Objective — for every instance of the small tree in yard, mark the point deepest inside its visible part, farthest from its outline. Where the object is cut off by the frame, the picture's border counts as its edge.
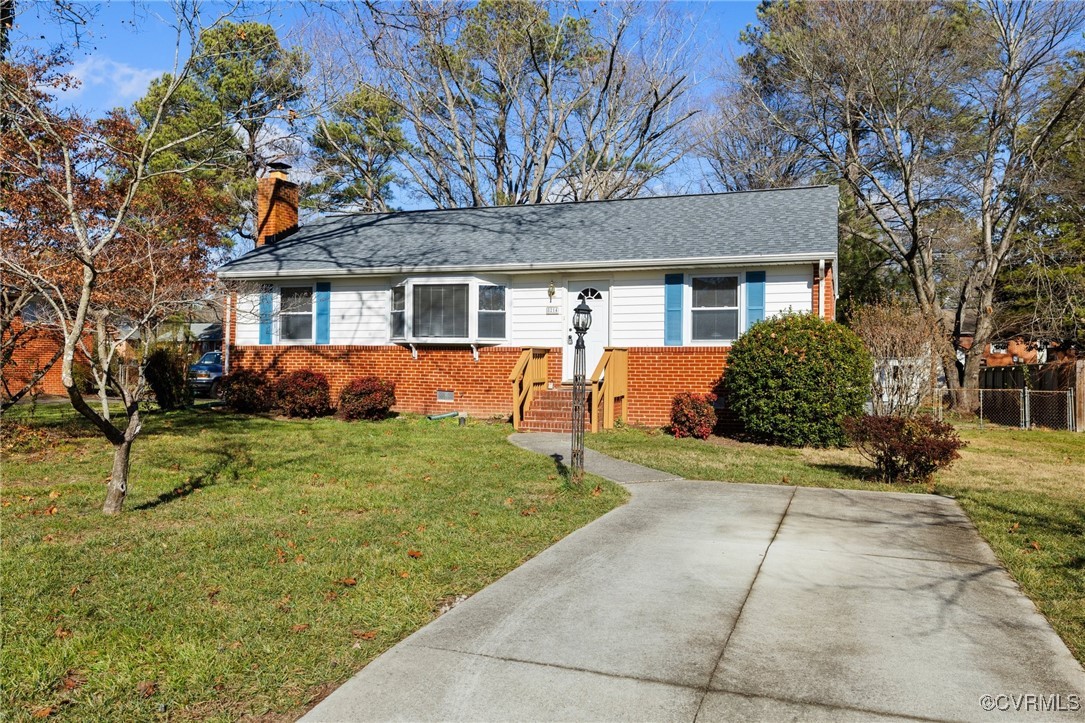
(905, 347)
(128, 239)
(792, 380)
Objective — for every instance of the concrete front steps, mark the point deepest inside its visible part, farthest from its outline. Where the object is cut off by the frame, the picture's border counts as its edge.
(552, 411)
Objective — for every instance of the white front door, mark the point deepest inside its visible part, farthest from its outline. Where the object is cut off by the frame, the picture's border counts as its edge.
(597, 296)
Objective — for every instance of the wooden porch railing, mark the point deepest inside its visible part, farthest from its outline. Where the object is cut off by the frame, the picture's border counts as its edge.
(527, 377)
(609, 383)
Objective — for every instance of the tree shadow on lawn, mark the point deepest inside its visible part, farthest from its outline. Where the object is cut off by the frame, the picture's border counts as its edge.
(229, 457)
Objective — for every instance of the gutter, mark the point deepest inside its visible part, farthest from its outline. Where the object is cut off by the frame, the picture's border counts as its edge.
(628, 265)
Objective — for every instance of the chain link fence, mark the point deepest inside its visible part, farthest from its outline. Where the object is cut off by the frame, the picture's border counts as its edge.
(1028, 408)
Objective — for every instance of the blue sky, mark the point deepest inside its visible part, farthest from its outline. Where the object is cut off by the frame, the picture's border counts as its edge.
(126, 44)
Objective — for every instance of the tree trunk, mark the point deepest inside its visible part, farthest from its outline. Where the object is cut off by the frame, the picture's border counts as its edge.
(118, 480)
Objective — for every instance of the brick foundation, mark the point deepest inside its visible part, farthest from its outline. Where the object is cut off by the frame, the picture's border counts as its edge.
(481, 388)
(656, 374)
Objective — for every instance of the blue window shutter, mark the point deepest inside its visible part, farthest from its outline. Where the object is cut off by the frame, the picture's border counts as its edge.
(672, 305)
(323, 312)
(265, 315)
(755, 297)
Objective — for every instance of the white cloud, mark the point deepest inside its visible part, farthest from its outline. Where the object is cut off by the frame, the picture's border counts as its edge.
(107, 83)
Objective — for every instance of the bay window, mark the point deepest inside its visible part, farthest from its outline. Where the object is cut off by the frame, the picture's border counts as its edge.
(491, 312)
(452, 309)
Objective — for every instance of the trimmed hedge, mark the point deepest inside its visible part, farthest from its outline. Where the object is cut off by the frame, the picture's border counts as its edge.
(367, 398)
(247, 391)
(692, 415)
(303, 394)
(792, 380)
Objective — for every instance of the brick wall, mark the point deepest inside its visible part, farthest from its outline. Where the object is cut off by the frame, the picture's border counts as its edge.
(35, 349)
(822, 293)
(481, 388)
(656, 374)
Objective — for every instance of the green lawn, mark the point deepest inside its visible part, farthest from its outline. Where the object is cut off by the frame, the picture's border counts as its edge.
(1024, 490)
(259, 562)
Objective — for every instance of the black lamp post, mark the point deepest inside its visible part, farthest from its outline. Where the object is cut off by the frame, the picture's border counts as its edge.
(581, 323)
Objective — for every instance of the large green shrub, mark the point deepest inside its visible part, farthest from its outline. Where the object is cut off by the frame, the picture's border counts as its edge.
(792, 380)
(166, 373)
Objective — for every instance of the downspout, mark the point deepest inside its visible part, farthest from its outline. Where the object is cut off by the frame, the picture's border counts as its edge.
(821, 288)
(226, 335)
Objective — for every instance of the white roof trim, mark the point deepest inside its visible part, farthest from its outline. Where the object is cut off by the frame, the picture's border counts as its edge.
(623, 265)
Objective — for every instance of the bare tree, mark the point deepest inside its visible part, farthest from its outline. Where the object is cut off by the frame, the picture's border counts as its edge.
(520, 102)
(745, 149)
(905, 348)
(919, 108)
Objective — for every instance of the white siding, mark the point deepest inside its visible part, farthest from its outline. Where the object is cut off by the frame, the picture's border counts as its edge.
(248, 319)
(360, 307)
(359, 312)
(527, 302)
(636, 310)
(788, 287)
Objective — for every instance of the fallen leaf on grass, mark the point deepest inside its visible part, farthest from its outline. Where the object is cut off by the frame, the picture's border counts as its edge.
(299, 559)
(54, 494)
(364, 634)
(508, 502)
(284, 604)
(48, 538)
(1035, 545)
(147, 688)
(404, 574)
(72, 679)
(299, 628)
(26, 498)
(235, 645)
(331, 595)
(347, 582)
(43, 712)
(62, 632)
(414, 553)
(597, 491)
(212, 593)
(1015, 527)
(529, 511)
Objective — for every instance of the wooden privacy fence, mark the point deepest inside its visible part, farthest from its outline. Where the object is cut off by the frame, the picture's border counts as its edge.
(1034, 395)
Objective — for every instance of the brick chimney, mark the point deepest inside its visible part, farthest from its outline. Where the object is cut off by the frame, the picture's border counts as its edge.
(276, 205)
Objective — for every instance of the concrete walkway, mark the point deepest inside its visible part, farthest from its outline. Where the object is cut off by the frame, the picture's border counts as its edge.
(728, 602)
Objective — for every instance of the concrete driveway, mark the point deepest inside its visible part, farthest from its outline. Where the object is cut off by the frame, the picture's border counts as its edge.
(719, 602)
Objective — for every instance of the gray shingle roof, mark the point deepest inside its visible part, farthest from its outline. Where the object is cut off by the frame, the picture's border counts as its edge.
(795, 223)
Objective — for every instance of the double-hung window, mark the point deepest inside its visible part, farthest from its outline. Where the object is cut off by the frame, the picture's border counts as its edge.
(715, 308)
(296, 313)
(491, 312)
(399, 311)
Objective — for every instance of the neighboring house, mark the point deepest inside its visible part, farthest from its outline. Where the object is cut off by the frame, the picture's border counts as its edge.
(470, 309)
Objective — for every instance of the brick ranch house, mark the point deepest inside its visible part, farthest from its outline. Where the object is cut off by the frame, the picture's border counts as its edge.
(470, 310)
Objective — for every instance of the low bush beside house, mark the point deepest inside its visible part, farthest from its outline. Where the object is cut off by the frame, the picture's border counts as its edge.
(247, 391)
(792, 380)
(166, 374)
(303, 394)
(903, 449)
(367, 398)
(692, 415)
